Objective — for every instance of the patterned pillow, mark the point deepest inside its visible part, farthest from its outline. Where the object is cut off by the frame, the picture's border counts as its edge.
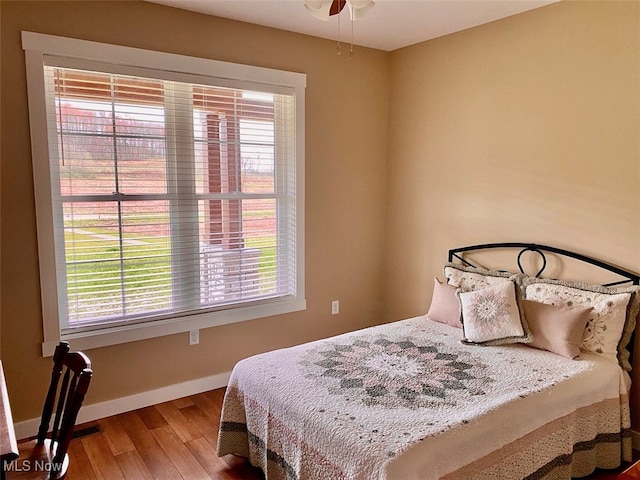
(472, 278)
(491, 316)
(445, 306)
(556, 328)
(613, 318)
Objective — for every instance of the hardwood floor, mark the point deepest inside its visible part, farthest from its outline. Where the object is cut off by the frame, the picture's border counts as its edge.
(173, 440)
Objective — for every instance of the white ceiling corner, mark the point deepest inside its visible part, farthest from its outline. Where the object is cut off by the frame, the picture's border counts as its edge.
(390, 25)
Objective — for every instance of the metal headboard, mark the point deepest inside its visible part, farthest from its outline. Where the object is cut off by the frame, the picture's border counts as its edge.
(628, 276)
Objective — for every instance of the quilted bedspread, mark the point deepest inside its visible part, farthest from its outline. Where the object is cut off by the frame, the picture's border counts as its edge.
(352, 406)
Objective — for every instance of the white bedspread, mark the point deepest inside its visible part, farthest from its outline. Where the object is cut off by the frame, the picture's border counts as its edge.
(409, 400)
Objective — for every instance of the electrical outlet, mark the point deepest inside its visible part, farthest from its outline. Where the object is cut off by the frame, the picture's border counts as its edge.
(194, 337)
(335, 307)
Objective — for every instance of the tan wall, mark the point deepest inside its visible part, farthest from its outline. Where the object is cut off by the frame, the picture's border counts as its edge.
(345, 171)
(525, 129)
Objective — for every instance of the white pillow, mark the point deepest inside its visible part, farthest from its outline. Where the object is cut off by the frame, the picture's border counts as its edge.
(472, 278)
(491, 316)
(611, 322)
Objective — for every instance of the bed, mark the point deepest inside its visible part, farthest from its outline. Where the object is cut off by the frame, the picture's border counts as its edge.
(509, 375)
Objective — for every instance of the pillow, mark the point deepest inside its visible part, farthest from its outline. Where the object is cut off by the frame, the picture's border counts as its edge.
(490, 316)
(445, 306)
(472, 278)
(613, 318)
(556, 328)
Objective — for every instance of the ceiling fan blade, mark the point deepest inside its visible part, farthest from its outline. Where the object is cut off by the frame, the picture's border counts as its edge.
(337, 6)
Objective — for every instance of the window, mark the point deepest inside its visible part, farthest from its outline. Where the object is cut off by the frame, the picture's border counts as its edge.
(169, 190)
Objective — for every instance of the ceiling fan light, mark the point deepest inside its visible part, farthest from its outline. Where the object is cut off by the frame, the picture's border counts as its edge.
(319, 8)
(358, 8)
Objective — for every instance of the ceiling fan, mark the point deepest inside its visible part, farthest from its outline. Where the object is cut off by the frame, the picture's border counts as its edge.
(323, 9)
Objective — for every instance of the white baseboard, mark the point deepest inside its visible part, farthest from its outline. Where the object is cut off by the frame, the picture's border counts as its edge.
(91, 412)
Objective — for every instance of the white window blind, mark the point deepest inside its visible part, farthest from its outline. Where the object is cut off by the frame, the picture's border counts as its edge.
(171, 194)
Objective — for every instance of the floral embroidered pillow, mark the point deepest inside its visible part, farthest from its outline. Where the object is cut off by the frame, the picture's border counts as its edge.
(612, 320)
(472, 278)
(490, 316)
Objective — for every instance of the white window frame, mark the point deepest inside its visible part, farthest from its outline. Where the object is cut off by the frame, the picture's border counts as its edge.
(37, 46)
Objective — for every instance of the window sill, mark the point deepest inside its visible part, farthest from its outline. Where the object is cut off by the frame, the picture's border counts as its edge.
(142, 331)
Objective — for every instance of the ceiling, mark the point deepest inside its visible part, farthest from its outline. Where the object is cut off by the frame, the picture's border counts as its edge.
(390, 25)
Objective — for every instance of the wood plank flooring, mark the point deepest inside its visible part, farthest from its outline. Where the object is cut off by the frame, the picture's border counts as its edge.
(169, 441)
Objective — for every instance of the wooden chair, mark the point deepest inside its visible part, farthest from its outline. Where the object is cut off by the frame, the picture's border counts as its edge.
(46, 457)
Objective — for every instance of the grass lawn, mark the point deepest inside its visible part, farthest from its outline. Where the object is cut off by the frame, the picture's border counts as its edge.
(105, 277)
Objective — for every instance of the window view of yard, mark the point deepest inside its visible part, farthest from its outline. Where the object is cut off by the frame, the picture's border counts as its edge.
(105, 259)
(157, 220)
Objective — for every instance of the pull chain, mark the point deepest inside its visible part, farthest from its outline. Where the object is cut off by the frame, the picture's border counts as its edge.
(339, 52)
(351, 47)
(339, 46)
